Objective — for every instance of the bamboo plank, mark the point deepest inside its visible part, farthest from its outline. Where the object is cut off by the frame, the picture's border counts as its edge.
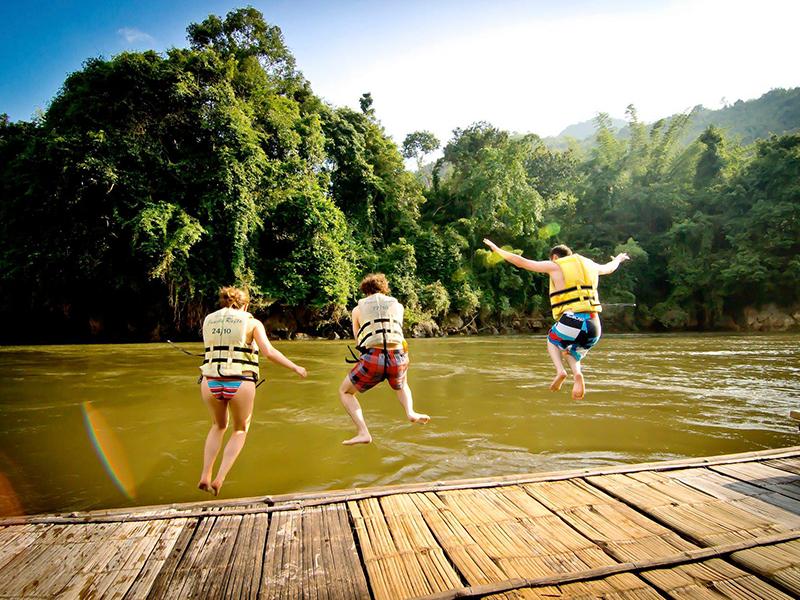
(152, 564)
(243, 577)
(169, 567)
(779, 563)
(392, 567)
(624, 533)
(417, 545)
(789, 464)
(466, 553)
(377, 579)
(782, 511)
(312, 572)
(435, 541)
(712, 578)
(280, 573)
(312, 554)
(16, 539)
(703, 518)
(116, 562)
(688, 558)
(616, 587)
(764, 476)
(97, 552)
(206, 564)
(182, 578)
(520, 535)
(31, 573)
(340, 552)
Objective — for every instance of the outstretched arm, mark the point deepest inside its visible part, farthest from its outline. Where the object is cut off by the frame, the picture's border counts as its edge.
(538, 266)
(272, 353)
(613, 264)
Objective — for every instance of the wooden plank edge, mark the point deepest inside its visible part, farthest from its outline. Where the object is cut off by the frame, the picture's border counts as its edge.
(311, 499)
(689, 556)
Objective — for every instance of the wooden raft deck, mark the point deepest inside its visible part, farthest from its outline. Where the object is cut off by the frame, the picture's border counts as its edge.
(719, 527)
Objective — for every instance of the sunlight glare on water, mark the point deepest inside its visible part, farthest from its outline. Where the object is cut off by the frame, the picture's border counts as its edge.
(89, 427)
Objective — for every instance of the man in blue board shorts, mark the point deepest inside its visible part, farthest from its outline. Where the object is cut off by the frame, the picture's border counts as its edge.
(575, 305)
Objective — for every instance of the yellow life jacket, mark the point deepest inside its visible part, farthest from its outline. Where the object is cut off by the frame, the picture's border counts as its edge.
(381, 322)
(580, 287)
(227, 353)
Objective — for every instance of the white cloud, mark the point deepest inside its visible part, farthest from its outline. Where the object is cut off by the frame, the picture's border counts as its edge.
(133, 36)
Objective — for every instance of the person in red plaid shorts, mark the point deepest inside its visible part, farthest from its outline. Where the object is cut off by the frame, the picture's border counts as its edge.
(378, 331)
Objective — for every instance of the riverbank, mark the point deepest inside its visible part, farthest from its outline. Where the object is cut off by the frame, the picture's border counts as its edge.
(765, 319)
(287, 323)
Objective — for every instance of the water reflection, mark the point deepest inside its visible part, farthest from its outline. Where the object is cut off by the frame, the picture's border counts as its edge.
(650, 397)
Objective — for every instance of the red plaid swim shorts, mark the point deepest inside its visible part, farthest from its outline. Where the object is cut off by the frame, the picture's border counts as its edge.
(370, 371)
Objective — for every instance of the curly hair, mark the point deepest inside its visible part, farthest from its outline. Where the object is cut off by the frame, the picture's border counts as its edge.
(374, 283)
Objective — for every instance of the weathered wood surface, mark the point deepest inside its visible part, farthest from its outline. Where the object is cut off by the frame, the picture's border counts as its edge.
(718, 527)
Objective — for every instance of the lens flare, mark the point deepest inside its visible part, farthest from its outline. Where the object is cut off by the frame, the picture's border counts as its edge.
(549, 230)
(10, 505)
(492, 258)
(109, 450)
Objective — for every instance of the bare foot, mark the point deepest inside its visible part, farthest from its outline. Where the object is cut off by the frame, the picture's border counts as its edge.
(418, 418)
(557, 381)
(578, 388)
(216, 485)
(361, 438)
(204, 486)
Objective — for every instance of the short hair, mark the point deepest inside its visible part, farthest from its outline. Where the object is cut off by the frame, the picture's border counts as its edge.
(233, 297)
(374, 283)
(560, 251)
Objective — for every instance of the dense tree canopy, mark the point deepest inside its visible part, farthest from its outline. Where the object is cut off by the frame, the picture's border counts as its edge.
(152, 179)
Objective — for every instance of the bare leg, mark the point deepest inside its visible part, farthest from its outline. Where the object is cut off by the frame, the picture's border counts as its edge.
(579, 387)
(241, 407)
(347, 395)
(561, 374)
(407, 401)
(219, 422)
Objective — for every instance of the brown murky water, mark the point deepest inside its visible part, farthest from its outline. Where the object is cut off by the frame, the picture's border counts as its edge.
(87, 427)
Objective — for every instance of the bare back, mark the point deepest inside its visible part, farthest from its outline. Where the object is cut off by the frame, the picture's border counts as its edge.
(557, 279)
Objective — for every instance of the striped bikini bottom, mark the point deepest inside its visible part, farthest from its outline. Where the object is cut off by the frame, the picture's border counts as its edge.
(223, 389)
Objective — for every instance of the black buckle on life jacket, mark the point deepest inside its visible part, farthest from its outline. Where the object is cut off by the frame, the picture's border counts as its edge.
(355, 358)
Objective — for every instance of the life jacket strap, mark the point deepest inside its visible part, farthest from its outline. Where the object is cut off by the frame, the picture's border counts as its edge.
(382, 320)
(234, 348)
(238, 361)
(592, 299)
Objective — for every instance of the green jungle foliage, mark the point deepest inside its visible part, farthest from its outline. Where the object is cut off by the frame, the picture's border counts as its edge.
(775, 113)
(153, 179)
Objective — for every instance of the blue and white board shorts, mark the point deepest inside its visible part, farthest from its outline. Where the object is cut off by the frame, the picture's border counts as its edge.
(575, 332)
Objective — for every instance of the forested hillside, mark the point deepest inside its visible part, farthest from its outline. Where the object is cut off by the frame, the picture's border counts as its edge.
(775, 113)
(152, 179)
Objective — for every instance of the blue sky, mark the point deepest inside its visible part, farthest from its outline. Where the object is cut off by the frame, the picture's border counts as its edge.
(522, 65)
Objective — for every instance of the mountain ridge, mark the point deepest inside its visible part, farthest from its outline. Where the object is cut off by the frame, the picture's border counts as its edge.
(774, 112)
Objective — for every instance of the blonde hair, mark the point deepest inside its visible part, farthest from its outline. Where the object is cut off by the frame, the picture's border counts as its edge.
(233, 297)
(374, 283)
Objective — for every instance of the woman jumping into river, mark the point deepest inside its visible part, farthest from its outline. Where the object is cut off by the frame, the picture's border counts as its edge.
(232, 338)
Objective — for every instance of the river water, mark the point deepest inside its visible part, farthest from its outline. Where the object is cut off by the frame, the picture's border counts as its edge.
(98, 426)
